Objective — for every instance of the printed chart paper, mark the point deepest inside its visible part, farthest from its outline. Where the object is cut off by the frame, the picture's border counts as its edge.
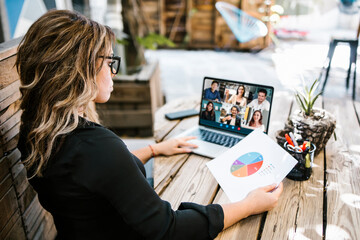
(254, 162)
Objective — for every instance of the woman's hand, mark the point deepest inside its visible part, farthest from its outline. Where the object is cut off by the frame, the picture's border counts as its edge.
(174, 146)
(257, 201)
(264, 198)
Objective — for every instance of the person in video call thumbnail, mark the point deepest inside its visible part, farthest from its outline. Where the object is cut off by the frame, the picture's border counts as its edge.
(212, 93)
(233, 118)
(208, 113)
(238, 98)
(260, 103)
(256, 120)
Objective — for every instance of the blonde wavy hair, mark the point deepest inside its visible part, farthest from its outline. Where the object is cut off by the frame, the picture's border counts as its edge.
(56, 61)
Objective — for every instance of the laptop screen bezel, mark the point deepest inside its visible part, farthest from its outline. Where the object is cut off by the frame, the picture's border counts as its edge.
(240, 133)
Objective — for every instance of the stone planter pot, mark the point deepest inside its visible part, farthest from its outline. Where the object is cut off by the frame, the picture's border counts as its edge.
(316, 128)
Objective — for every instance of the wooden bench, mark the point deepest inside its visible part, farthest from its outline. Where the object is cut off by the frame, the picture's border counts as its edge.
(21, 215)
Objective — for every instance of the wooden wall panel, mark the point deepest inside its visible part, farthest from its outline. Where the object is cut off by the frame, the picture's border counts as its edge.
(8, 72)
(204, 26)
(131, 108)
(8, 207)
(21, 215)
(14, 228)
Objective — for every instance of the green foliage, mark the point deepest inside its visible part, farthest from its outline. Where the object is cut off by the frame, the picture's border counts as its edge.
(193, 11)
(307, 98)
(122, 41)
(153, 40)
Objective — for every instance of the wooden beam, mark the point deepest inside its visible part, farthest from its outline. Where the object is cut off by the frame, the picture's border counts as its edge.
(9, 48)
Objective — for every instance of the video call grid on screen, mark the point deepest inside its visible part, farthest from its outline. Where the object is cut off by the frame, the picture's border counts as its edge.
(222, 107)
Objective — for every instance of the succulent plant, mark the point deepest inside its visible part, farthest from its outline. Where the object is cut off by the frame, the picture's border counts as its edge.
(308, 122)
(307, 98)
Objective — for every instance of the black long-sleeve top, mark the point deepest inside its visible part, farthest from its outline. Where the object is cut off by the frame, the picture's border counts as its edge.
(96, 189)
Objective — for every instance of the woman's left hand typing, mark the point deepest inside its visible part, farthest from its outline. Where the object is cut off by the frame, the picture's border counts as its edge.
(174, 146)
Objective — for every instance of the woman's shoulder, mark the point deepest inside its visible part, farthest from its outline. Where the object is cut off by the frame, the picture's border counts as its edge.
(99, 130)
(86, 126)
(95, 142)
(92, 134)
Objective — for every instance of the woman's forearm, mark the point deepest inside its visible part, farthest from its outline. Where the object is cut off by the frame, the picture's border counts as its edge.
(144, 154)
(166, 148)
(234, 212)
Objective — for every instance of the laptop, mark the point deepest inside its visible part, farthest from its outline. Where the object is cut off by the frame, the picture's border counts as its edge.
(225, 119)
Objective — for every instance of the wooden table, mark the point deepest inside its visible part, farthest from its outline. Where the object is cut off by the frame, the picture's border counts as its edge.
(325, 206)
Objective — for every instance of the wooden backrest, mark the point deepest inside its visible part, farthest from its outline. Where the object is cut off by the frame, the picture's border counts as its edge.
(21, 215)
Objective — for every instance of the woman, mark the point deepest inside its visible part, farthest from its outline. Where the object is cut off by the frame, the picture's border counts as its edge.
(238, 98)
(84, 174)
(209, 113)
(256, 120)
(233, 118)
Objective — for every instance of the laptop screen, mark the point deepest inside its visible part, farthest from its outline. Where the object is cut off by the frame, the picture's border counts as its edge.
(234, 106)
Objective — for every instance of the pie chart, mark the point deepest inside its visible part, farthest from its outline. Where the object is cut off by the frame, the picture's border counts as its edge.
(247, 164)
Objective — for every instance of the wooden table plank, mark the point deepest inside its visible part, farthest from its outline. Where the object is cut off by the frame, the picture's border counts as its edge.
(194, 183)
(276, 227)
(281, 107)
(165, 169)
(311, 202)
(343, 173)
(309, 221)
(162, 126)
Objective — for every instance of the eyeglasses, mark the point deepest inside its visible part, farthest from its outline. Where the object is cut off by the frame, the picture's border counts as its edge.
(115, 63)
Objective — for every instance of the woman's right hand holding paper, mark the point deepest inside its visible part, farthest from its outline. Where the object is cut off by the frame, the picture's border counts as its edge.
(257, 201)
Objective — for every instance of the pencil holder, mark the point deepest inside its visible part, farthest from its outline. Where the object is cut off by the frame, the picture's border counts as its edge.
(302, 170)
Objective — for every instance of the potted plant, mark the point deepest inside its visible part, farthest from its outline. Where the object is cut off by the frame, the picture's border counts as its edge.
(308, 122)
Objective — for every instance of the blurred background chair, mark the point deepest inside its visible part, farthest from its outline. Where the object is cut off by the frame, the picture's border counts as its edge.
(242, 25)
(348, 6)
(353, 43)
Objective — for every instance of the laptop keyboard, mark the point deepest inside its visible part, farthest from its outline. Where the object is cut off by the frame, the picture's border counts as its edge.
(217, 138)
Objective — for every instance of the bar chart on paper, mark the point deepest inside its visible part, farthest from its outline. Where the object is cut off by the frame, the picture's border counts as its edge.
(247, 164)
